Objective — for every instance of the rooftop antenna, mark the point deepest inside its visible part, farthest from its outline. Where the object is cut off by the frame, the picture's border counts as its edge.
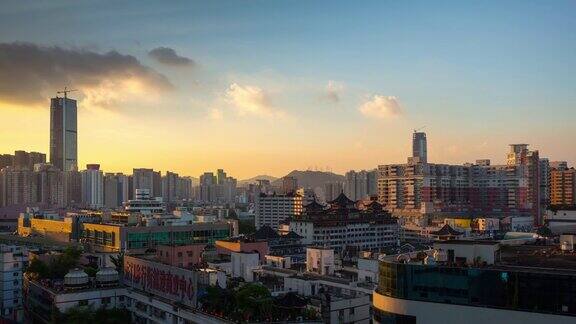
(419, 129)
(65, 91)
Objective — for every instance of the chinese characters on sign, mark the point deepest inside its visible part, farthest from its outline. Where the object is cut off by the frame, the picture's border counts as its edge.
(170, 282)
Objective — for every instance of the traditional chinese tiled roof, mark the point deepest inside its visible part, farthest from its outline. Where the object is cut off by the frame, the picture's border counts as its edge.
(314, 206)
(341, 201)
(266, 233)
(292, 235)
(373, 206)
(446, 230)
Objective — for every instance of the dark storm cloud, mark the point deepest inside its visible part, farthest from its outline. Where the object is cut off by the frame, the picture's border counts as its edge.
(168, 56)
(28, 72)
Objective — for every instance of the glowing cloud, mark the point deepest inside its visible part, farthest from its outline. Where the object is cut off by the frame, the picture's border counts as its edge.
(381, 107)
(168, 56)
(251, 100)
(30, 73)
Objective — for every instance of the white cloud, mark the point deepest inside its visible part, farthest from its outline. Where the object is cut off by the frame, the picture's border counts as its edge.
(333, 91)
(381, 107)
(251, 100)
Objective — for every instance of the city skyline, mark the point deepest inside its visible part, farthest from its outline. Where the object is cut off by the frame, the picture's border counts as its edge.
(220, 91)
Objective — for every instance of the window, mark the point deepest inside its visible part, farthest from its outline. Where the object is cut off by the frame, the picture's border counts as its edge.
(106, 300)
(83, 303)
(15, 274)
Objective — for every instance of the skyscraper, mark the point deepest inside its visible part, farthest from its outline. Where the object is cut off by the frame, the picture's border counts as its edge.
(63, 134)
(419, 146)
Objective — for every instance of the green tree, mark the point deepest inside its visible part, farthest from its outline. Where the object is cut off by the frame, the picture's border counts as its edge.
(38, 269)
(118, 262)
(254, 303)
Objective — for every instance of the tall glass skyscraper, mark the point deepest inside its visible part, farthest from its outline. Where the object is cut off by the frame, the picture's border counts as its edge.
(419, 148)
(63, 134)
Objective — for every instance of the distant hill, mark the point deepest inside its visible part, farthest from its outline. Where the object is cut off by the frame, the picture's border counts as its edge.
(245, 182)
(312, 179)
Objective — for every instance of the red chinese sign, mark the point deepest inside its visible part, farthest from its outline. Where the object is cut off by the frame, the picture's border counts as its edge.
(166, 281)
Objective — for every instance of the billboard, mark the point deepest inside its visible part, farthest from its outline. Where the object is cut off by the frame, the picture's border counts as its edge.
(173, 283)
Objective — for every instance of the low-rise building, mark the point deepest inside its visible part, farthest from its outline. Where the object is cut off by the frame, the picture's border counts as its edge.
(242, 244)
(13, 261)
(477, 282)
(183, 256)
(118, 237)
(47, 299)
(346, 226)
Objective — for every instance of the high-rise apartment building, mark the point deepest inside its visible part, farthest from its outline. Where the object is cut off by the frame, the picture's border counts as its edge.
(558, 165)
(115, 189)
(207, 188)
(529, 161)
(563, 187)
(72, 188)
(170, 186)
(481, 188)
(218, 188)
(289, 184)
(419, 147)
(49, 185)
(271, 210)
(63, 134)
(6, 160)
(360, 185)
(332, 190)
(16, 186)
(184, 188)
(25, 160)
(22, 159)
(544, 183)
(93, 186)
(147, 179)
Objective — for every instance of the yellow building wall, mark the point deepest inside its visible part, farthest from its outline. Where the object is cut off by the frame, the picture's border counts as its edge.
(116, 230)
(52, 229)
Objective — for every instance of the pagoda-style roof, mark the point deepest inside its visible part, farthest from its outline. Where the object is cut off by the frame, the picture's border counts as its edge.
(266, 233)
(373, 206)
(341, 200)
(446, 230)
(342, 203)
(292, 235)
(314, 206)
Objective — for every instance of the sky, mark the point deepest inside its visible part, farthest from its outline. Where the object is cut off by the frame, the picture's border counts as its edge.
(266, 87)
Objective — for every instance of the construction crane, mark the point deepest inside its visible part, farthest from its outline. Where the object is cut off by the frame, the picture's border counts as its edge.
(65, 91)
(419, 129)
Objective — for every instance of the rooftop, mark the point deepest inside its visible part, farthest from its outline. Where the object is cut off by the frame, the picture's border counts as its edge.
(469, 242)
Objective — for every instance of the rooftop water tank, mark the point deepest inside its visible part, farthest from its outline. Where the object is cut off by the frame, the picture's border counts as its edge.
(76, 278)
(107, 276)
